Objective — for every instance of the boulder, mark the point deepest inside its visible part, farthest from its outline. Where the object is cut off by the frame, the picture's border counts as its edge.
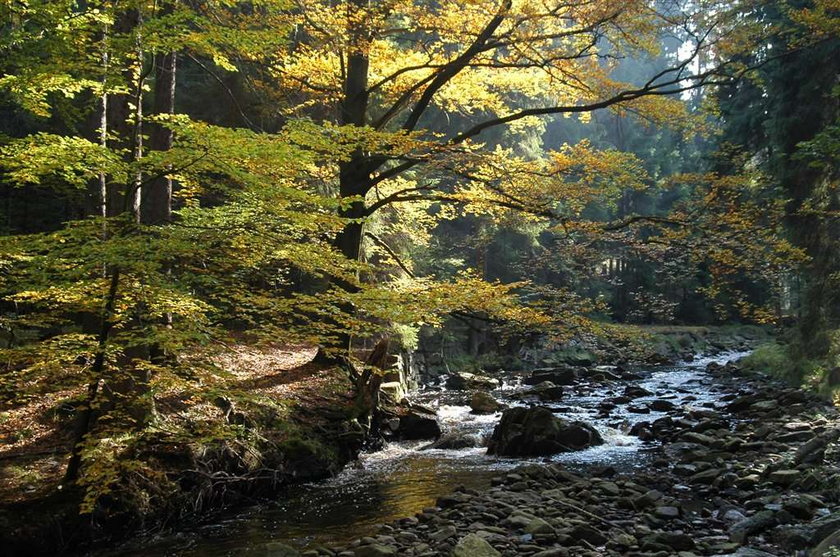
(556, 375)
(484, 403)
(418, 425)
(473, 545)
(462, 381)
(455, 441)
(537, 432)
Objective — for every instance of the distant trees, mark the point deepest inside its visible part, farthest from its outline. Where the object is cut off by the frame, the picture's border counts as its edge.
(786, 120)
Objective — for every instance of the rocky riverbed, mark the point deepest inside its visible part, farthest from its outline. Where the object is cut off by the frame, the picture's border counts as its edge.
(752, 471)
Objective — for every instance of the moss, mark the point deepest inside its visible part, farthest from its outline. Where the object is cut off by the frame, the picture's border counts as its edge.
(299, 449)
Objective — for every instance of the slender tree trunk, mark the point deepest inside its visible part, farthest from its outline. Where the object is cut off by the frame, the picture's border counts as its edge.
(156, 207)
(127, 387)
(87, 415)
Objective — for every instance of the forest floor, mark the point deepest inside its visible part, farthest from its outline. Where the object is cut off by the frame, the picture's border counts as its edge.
(277, 409)
(35, 436)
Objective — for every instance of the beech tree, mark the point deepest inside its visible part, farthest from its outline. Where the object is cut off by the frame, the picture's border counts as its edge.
(389, 66)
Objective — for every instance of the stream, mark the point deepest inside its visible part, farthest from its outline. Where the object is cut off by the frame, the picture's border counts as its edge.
(402, 479)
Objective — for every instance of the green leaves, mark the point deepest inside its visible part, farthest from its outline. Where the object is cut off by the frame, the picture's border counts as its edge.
(58, 160)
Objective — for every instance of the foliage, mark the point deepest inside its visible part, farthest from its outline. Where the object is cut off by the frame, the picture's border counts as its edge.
(382, 152)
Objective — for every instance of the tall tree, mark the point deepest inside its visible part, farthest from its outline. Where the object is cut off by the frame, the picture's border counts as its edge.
(783, 119)
(391, 67)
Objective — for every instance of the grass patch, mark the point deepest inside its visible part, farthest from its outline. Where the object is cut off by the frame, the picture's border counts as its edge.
(772, 359)
(785, 362)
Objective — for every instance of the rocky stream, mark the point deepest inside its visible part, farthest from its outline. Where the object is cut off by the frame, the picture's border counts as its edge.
(689, 459)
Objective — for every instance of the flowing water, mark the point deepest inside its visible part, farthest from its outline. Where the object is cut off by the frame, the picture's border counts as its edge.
(402, 479)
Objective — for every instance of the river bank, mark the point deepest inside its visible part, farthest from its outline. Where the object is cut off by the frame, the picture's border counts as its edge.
(752, 473)
(283, 421)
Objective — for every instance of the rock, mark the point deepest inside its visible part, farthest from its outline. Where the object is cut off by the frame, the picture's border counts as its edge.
(484, 403)
(749, 552)
(747, 482)
(800, 507)
(661, 405)
(764, 406)
(698, 438)
(673, 540)
(394, 389)
(706, 477)
(741, 404)
(444, 534)
(634, 391)
(733, 516)
(588, 534)
(473, 545)
(813, 452)
(558, 376)
(759, 522)
(539, 526)
(648, 499)
(824, 548)
(374, 550)
(518, 521)
(785, 477)
(610, 488)
(668, 513)
(795, 437)
(537, 432)
(547, 391)
(277, 549)
(462, 381)
(455, 441)
(825, 526)
(554, 552)
(418, 425)
(624, 540)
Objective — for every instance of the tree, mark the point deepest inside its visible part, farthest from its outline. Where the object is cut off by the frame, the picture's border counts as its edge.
(391, 67)
(784, 119)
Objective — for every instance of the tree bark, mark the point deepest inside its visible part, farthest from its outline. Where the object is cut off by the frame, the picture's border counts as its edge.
(156, 205)
(87, 414)
(354, 174)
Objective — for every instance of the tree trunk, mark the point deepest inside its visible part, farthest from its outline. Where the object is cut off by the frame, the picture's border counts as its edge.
(87, 415)
(354, 175)
(156, 206)
(127, 388)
